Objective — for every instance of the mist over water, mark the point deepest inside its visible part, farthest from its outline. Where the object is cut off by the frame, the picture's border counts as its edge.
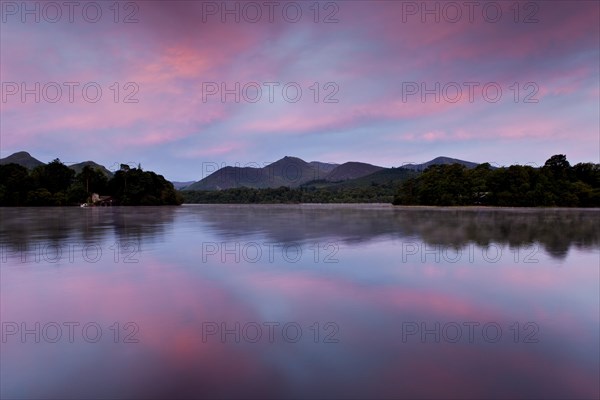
(299, 301)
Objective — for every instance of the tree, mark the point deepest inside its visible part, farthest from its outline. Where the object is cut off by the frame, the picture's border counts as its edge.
(588, 173)
(54, 176)
(137, 187)
(14, 184)
(92, 179)
(558, 166)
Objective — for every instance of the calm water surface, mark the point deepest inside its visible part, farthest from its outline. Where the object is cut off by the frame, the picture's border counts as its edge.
(299, 302)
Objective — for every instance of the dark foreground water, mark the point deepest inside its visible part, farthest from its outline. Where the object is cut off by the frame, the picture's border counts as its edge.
(299, 302)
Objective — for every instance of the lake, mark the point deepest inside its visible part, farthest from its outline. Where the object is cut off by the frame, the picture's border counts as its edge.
(299, 301)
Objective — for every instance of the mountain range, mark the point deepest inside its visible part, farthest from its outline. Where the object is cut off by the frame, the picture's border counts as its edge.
(295, 172)
(289, 171)
(26, 160)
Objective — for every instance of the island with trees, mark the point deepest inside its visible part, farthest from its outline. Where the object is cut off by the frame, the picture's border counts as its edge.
(55, 184)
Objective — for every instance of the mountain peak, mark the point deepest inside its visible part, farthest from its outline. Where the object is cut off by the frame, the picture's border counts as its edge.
(22, 158)
(288, 160)
(441, 160)
(78, 167)
(292, 158)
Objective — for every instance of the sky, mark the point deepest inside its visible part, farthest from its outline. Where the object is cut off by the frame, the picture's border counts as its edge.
(184, 87)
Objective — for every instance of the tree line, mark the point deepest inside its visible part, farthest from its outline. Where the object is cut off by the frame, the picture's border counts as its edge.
(375, 193)
(55, 184)
(556, 184)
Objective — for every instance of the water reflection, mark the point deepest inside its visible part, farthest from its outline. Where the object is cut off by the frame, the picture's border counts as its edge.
(372, 325)
(35, 230)
(555, 229)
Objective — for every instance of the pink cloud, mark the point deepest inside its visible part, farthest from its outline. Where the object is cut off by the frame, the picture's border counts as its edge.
(369, 53)
(224, 148)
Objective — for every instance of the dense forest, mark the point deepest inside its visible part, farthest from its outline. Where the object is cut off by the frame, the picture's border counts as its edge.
(55, 184)
(375, 193)
(557, 183)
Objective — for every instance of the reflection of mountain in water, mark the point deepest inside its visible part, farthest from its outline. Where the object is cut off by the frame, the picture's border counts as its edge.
(555, 229)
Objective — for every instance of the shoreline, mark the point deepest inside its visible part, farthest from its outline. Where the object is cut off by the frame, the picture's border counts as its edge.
(383, 206)
(378, 206)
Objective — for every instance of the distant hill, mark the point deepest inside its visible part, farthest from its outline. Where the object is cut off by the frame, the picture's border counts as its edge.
(79, 167)
(351, 170)
(22, 158)
(382, 177)
(229, 178)
(439, 161)
(289, 171)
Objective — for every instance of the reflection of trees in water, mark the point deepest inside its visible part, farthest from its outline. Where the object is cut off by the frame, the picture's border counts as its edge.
(22, 227)
(554, 229)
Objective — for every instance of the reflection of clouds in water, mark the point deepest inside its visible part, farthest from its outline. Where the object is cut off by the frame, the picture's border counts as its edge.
(171, 359)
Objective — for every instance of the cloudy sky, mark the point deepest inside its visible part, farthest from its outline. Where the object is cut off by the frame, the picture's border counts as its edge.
(182, 86)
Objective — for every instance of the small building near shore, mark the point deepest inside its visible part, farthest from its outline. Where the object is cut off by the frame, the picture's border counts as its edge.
(98, 200)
